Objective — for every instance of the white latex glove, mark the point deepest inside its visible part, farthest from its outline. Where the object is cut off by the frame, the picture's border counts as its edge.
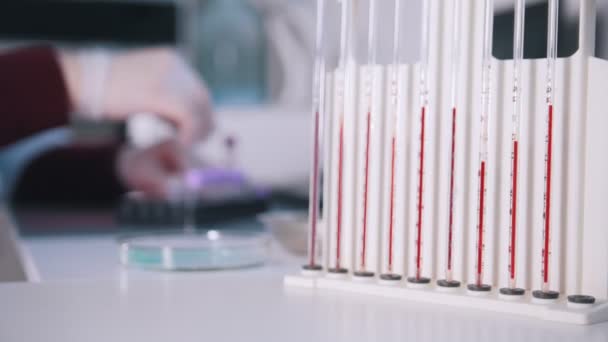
(106, 86)
(151, 170)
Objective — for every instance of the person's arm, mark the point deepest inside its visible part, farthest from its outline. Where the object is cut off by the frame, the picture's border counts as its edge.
(99, 85)
(76, 174)
(87, 174)
(33, 93)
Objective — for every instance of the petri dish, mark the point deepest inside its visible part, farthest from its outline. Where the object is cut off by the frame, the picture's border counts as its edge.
(197, 250)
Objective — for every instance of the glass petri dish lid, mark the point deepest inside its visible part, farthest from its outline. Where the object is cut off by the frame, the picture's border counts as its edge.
(197, 250)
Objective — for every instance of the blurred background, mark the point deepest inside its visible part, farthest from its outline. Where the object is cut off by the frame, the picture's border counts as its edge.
(256, 57)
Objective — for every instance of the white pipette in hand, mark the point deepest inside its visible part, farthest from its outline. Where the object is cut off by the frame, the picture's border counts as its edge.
(145, 130)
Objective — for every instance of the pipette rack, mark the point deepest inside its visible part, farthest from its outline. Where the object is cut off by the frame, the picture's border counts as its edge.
(579, 258)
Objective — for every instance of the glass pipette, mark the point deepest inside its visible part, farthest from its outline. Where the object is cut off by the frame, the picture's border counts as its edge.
(423, 102)
(318, 92)
(368, 93)
(545, 292)
(341, 98)
(486, 86)
(390, 275)
(449, 273)
(518, 56)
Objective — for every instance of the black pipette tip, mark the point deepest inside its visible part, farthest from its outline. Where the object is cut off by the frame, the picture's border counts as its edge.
(512, 291)
(479, 287)
(545, 294)
(337, 270)
(418, 280)
(309, 267)
(364, 274)
(448, 283)
(581, 299)
(390, 277)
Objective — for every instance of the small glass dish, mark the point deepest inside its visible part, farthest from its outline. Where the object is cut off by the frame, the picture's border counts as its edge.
(197, 250)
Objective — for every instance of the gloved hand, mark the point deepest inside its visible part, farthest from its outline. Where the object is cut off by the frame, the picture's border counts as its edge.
(106, 86)
(151, 170)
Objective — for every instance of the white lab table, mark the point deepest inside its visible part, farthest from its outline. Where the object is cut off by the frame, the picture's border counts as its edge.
(96, 257)
(84, 295)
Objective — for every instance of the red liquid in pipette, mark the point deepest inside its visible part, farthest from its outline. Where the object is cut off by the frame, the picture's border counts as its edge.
(514, 209)
(365, 192)
(392, 207)
(340, 170)
(420, 195)
(547, 215)
(315, 192)
(482, 190)
(451, 203)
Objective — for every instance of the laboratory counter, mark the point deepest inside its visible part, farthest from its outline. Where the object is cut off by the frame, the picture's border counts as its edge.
(84, 294)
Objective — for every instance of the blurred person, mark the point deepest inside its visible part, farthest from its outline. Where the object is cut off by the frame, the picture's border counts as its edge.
(43, 88)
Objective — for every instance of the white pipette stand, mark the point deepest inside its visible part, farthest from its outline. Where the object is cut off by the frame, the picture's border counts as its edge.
(579, 215)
